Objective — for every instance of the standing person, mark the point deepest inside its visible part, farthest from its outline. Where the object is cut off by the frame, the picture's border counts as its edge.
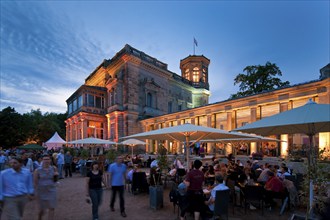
(3, 160)
(194, 182)
(16, 189)
(117, 172)
(60, 163)
(68, 159)
(94, 189)
(27, 162)
(45, 178)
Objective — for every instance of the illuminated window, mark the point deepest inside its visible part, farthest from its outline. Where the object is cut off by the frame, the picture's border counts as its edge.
(204, 75)
(195, 74)
(187, 74)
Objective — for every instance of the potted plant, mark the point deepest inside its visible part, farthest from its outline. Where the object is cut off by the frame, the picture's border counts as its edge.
(156, 191)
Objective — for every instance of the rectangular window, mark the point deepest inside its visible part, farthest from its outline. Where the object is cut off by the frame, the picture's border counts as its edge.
(74, 105)
(90, 100)
(98, 103)
(80, 101)
(169, 107)
(70, 108)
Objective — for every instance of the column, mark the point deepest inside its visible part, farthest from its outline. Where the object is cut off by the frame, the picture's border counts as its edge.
(209, 121)
(229, 121)
(324, 140)
(253, 115)
(253, 147)
(284, 145)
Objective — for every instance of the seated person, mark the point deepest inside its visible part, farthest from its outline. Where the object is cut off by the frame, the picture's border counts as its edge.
(246, 177)
(263, 177)
(273, 187)
(130, 173)
(172, 172)
(284, 172)
(219, 186)
(177, 163)
(154, 164)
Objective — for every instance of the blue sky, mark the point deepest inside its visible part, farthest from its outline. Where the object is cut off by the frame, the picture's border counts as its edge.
(48, 48)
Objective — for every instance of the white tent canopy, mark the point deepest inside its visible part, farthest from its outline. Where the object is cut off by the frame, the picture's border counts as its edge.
(55, 142)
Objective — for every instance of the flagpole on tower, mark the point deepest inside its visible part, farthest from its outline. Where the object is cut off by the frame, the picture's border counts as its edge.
(195, 44)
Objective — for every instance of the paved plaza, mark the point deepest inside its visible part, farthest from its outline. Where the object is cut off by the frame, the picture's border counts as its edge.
(72, 206)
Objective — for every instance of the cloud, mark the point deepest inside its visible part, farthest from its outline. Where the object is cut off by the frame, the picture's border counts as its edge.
(44, 56)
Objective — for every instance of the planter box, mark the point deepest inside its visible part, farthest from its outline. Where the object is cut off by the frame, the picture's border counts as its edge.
(156, 195)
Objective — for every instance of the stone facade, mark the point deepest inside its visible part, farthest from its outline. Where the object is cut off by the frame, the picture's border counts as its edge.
(234, 113)
(134, 92)
(130, 87)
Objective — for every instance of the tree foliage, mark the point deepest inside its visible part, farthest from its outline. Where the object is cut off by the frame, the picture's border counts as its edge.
(17, 129)
(258, 79)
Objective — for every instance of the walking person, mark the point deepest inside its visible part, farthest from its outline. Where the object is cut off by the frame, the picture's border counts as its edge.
(60, 163)
(16, 189)
(94, 189)
(68, 159)
(45, 178)
(117, 172)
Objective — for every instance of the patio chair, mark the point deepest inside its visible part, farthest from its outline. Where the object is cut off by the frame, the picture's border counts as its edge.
(253, 194)
(221, 203)
(139, 183)
(231, 185)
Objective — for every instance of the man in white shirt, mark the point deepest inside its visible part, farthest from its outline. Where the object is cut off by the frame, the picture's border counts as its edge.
(220, 186)
(60, 163)
(27, 162)
(16, 189)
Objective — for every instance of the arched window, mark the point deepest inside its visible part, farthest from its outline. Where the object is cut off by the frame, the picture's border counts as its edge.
(149, 99)
(195, 74)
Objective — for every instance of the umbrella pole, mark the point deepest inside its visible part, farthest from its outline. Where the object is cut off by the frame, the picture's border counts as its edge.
(311, 169)
(187, 152)
(132, 152)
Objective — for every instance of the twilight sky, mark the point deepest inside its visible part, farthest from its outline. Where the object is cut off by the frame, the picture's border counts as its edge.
(49, 48)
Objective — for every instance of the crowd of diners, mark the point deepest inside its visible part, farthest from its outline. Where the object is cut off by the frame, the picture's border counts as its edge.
(233, 175)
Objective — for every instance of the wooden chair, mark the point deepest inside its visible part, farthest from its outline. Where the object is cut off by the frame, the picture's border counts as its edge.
(221, 203)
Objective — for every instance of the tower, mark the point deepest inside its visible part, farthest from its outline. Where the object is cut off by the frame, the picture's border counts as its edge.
(195, 69)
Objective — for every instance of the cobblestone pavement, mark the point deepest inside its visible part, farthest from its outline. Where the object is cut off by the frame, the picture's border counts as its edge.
(72, 206)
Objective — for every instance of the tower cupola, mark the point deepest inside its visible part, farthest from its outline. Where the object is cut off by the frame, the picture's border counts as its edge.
(195, 69)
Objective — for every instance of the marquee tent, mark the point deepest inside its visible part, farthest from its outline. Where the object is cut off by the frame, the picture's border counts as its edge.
(55, 142)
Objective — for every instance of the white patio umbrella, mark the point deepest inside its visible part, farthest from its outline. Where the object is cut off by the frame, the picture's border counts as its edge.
(132, 142)
(92, 140)
(309, 119)
(186, 133)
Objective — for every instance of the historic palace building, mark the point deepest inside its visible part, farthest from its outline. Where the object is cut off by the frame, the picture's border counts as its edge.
(134, 92)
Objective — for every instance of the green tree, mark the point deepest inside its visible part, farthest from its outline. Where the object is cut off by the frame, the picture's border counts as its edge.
(11, 128)
(258, 79)
(17, 129)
